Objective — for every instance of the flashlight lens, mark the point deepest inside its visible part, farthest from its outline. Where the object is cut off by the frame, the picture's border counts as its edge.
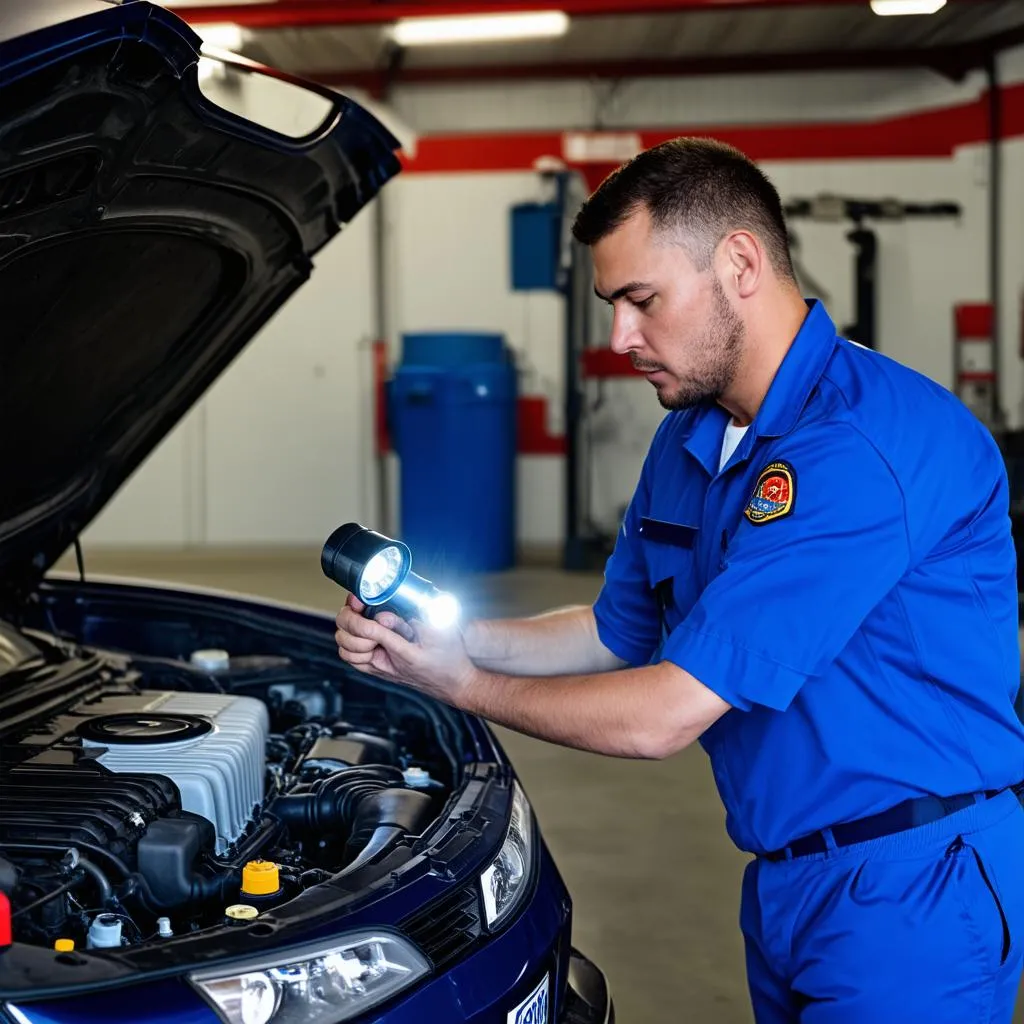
(381, 573)
(442, 611)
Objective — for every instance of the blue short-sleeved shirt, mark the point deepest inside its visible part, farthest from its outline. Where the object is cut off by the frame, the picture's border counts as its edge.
(847, 583)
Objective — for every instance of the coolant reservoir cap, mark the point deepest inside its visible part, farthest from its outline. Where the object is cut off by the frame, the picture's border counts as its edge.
(260, 878)
(211, 660)
(64, 945)
(241, 912)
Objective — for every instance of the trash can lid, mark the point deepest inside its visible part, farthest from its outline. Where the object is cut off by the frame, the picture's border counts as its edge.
(453, 348)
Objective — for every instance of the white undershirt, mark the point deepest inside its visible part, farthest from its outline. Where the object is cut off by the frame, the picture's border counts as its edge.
(732, 438)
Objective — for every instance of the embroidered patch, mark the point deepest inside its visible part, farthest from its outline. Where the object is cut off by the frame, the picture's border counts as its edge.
(773, 495)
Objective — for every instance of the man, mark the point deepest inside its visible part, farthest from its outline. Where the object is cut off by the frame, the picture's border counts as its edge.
(816, 579)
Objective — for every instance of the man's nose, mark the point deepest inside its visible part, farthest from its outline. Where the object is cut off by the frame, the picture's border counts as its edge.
(624, 337)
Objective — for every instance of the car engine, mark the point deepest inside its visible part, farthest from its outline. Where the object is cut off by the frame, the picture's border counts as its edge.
(165, 796)
(211, 747)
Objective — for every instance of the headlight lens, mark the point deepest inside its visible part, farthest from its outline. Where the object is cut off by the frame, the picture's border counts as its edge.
(315, 986)
(504, 882)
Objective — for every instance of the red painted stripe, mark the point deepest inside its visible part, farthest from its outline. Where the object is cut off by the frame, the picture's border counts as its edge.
(308, 13)
(930, 133)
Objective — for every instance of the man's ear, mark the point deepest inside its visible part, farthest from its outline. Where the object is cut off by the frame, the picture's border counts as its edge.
(742, 262)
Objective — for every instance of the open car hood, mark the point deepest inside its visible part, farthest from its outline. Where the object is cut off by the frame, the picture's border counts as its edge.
(146, 235)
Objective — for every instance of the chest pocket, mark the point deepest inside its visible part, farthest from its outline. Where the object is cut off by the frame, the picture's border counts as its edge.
(670, 551)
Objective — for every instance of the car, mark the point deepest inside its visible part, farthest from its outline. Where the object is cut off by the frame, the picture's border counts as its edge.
(204, 814)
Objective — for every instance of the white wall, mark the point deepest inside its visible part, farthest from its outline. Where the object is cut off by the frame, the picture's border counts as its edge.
(279, 451)
(670, 102)
(161, 502)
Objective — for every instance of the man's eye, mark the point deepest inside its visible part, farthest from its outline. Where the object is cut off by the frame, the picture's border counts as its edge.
(643, 303)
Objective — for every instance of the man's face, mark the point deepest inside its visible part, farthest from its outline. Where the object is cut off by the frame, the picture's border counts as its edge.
(673, 320)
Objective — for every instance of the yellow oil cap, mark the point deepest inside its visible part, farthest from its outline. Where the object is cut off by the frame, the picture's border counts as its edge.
(260, 878)
(64, 945)
(241, 912)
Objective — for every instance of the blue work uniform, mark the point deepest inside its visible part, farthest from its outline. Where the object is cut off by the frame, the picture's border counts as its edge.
(847, 583)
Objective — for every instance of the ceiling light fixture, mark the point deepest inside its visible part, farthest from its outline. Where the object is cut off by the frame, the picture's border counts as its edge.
(479, 29)
(894, 7)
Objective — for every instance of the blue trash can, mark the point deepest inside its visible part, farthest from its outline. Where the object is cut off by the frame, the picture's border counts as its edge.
(452, 409)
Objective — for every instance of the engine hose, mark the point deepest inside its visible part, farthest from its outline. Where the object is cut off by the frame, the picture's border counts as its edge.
(64, 848)
(201, 890)
(381, 839)
(104, 889)
(337, 799)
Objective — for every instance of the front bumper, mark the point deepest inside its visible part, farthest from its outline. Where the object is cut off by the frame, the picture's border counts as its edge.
(587, 997)
(483, 988)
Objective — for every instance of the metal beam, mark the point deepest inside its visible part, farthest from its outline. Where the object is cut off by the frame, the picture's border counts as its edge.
(322, 13)
(950, 61)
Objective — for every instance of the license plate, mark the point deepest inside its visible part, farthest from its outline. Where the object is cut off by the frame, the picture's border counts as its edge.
(534, 1008)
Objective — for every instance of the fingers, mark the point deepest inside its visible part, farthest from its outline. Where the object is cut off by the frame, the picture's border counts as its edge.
(397, 625)
(360, 661)
(358, 637)
(353, 643)
(393, 642)
(349, 612)
(355, 647)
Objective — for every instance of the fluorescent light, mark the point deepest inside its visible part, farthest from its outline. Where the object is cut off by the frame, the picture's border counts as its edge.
(220, 36)
(479, 29)
(887, 7)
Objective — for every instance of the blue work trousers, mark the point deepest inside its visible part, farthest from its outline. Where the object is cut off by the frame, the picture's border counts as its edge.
(925, 926)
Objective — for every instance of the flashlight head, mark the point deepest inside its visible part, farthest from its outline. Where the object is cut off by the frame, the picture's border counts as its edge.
(366, 563)
(378, 570)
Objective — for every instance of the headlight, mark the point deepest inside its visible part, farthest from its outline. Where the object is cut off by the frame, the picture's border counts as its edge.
(317, 985)
(504, 883)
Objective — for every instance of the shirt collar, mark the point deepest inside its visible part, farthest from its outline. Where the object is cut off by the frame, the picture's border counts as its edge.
(799, 372)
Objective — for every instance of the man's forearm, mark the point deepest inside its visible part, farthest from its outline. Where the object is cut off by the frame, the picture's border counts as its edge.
(648, 712)
(563, 642)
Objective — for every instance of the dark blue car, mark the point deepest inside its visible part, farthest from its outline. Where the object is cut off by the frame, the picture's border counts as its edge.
(204, 816)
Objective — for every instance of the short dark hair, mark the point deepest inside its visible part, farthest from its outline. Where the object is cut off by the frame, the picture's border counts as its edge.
(702, 186)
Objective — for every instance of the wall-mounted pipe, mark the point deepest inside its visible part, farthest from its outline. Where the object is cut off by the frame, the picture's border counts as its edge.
(995, 234)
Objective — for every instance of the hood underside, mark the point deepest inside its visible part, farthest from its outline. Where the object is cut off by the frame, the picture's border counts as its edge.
(146, 235)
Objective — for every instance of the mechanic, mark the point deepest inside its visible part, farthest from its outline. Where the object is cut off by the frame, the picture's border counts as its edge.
(815, 579)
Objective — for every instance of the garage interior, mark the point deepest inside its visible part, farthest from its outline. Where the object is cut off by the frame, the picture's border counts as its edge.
(897, 144)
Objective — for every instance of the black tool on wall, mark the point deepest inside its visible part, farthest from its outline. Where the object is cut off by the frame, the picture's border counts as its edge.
(841, 209)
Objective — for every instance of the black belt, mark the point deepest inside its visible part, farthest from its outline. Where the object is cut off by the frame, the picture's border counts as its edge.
(909, 814)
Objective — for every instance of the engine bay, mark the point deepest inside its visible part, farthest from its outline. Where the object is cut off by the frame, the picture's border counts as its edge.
(145, 797)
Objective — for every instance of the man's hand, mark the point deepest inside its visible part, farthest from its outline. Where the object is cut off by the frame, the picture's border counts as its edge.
(433, 661)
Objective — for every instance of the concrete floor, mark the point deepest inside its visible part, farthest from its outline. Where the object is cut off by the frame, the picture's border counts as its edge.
(642, 846)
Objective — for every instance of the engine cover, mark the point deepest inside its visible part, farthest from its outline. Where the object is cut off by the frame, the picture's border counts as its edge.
(210, 745)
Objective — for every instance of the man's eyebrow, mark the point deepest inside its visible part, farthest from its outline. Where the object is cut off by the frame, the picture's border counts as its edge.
(633, 286)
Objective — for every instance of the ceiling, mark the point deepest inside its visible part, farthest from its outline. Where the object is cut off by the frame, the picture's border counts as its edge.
(348, 41)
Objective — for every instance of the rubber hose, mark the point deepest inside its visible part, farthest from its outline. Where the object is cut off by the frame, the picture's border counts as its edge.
(104, 889)
(335, 800)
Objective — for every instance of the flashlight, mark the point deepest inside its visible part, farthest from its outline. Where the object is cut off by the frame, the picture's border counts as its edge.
(378, 570)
